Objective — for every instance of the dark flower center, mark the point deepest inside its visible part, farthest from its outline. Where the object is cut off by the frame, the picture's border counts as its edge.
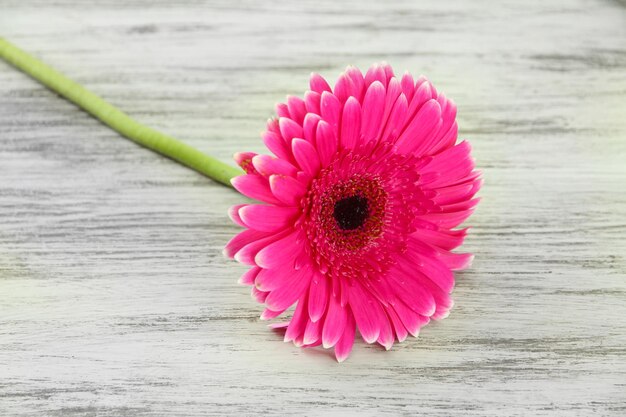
(351, 212)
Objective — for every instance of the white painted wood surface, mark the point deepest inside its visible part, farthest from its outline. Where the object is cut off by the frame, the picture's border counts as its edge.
(115, 298)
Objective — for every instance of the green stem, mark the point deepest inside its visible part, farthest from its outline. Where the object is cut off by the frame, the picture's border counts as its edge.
(115, 118)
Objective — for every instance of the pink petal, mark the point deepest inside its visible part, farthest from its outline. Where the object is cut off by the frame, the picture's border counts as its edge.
(260, 296)
(233, 213)
(434, 90)
(427, 178)
(270, 314)
(398, 326)
(408, 86)
(343, 86)
(287, 189)
(393, 92)
(313, 332)
(388, 71)
(455, 261)
(411, 320)
(318, 83)
(358, 82)
(442, 299)
(306, 156)
(460, 206)
(345, 343)
(422, 224)
(447, 140)
(351, 124)
(335, 288)
(454, 193)
(242, 239)
(298, 322)
(297, 108)
(447, 220)
(326, 142)
(282, 110)
(303, 259)
(343, 299)
(272, 126)
(331, 109)
(249, 276)
(450, 158)
(267, 165)
(277, 145)
(272, 279)
(461, 173)
(310, 126)
(254, 186)
(420, 80)
(423, 93)
(335, 323)
(244, 160)
(268, 218)
(289, 129)
(365, 309)
(412, 293)
(430, 266)
(385, 338)
(247, 254)
(448, 116)
(375, 73)
(418, 129)
(380, 289)
(429, 139)
(373, 108)
(318, 296)
(304, 345)
(397, 119)
(283, 297)
(312, 102)
(442, 238)
(280, 253)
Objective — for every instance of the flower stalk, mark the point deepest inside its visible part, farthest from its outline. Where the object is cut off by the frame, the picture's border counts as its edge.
(115, 118)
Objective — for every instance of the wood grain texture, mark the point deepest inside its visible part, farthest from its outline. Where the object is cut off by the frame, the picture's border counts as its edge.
(115, 298)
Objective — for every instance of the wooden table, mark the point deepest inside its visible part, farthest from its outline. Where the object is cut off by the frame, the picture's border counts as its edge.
(115, 298)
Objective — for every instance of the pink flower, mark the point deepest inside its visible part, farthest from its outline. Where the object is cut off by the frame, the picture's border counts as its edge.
(360, 205)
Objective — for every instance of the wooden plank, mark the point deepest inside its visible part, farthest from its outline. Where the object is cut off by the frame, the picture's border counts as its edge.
(115, 298)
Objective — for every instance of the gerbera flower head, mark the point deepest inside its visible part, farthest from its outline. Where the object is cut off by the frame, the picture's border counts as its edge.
(359, 206)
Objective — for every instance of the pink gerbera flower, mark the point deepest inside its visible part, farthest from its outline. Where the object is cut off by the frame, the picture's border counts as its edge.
(360, 205)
